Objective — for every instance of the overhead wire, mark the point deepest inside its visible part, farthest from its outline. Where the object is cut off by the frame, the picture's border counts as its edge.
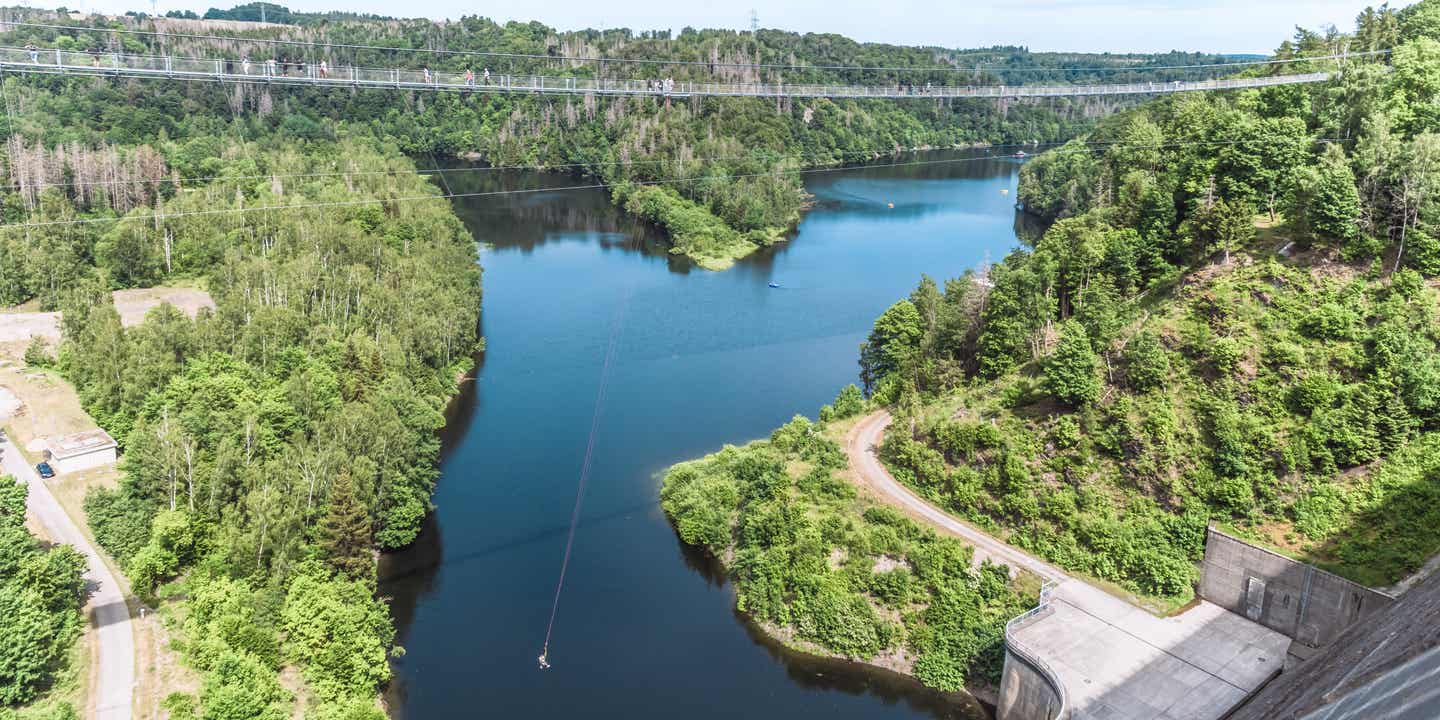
(543, 167)
(562, 188)
(316, 44)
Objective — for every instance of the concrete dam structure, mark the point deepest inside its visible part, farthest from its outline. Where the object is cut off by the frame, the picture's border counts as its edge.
(1083, 653)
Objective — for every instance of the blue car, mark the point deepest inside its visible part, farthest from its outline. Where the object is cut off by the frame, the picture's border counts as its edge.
(45, 470)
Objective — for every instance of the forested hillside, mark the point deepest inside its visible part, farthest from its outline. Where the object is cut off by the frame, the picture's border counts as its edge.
(737, 156)
(272, 444)
(1233, 318)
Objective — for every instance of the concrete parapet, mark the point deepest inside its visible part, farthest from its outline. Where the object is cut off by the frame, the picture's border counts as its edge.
(1306, 604)
(1029, 688)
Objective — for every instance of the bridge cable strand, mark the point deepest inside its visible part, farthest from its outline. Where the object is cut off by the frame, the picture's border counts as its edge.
(617, 326)
(155, 67)
(959, 69)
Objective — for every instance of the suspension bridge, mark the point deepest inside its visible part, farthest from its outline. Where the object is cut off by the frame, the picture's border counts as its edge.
(230, 70)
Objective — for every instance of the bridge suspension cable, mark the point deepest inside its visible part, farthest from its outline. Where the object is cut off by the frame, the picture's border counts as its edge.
(948, 68)
(271, 72)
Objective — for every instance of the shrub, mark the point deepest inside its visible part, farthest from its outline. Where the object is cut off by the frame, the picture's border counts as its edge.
(841, 621)
(1066, 432)
(241, 688)
(120, 520)
(37, 353)
(1422, 252)
(1329, 321)
(339, 632)
(1072, 372)
(1314, 392)
(961, 439)
(1147, 364)
(1225, 354)
(849, 403)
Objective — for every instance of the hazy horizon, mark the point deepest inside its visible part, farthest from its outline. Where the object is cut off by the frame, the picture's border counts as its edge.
(1088, 25)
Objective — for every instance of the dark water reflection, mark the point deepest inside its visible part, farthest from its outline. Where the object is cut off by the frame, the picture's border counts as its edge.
(647, 627)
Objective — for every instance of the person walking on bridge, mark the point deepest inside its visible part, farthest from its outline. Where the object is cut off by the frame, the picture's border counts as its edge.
(245, 64)
(324, 69)
(486, 76)
(34, 53)
(469, 77)
(427, 74)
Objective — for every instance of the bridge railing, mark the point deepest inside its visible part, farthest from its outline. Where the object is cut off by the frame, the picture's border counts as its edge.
(1028, 656)
(51, 60)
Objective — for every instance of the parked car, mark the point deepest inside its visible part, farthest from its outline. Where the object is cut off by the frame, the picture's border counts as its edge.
(45, 470)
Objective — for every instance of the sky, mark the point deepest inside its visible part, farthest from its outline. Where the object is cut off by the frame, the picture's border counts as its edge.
(1232, 26)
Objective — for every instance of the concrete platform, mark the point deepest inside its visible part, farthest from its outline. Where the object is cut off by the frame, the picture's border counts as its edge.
(1118, 662)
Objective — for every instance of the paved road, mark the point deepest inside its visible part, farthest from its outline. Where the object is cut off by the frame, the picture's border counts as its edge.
(860, 446)
(114, 678)
(1117, 661)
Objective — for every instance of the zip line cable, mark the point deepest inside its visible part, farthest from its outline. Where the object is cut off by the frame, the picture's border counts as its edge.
(617, 326)
(630, 163)
(313, 44)
(157, 217)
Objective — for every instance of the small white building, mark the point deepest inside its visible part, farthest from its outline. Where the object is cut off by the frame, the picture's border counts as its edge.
(81, 451)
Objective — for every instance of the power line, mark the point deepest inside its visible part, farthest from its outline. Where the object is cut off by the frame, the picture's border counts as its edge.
(160, 216)
(889, 149)
(312, 44)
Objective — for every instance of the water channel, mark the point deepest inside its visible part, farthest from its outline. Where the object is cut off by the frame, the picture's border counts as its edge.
(646, 628)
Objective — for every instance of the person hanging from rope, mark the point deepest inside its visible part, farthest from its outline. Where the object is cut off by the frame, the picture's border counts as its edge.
(617, 327)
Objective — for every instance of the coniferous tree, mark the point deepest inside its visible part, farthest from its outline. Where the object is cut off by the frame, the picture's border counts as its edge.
(1071, 373)
(345, 535)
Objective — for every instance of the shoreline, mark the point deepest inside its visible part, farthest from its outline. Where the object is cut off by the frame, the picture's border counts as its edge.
(799, 656)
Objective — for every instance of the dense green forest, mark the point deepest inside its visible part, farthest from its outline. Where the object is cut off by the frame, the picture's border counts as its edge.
(833, 574)
(270, 445)
(1232, 318)
(273, 444)
(738, 157)
(40, 594)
